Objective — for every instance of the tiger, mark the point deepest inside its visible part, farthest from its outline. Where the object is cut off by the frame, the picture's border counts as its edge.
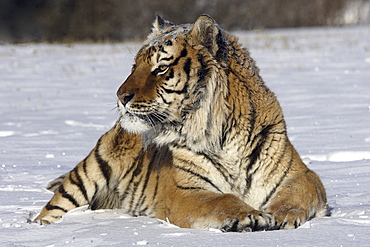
(200, 142)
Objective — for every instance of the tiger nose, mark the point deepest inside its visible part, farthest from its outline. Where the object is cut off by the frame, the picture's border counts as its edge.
(125, 97)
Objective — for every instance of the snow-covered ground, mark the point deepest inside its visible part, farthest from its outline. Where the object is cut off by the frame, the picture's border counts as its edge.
(56, 101)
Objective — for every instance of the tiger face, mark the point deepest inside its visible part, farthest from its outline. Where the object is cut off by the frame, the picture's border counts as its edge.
(173, 81)
(153, 93)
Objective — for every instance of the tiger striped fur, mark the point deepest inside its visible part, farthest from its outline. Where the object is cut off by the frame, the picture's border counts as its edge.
(200, 141)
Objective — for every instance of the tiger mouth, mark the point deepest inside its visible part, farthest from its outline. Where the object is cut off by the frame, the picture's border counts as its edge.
(150, 118)
(129, 117)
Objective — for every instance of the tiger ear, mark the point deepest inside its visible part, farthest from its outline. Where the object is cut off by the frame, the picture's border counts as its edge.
(160, 23)
(207, 33)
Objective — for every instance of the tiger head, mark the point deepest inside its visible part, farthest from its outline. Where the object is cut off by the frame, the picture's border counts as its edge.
(177, 85)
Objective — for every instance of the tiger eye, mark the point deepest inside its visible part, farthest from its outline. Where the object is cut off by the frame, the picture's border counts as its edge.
(162, 67)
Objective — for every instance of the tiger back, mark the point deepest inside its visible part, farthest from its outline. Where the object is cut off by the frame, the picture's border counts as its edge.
(201, 141)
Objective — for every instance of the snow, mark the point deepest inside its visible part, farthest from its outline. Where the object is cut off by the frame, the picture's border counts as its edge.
(56, 101)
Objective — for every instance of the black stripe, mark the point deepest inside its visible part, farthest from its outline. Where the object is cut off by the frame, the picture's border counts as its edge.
(137, 170)
(166, 58)
(253, 157)
(170, 75)
(103, 165)
(84, 166)
(251, 119)
(165, 156)
(143, 212)
(79, 183)
(261, 140)
(140, 204)
(281, 155)
(138, 160)
(187, 66)
(158, 158)
(198, 175)
(164, 100)
(296, 224)
(224, 135)
(221, 169)
(183, 53)
(148, 173)
(133, 195)
(156, 186)
(255, 153)
(56, 183)
(188, 188)
(161, 49)
(68, 196)
(272, 192)
(53, 207)
(71, 178)
(94, 200)
(170, 91)
(136, 173)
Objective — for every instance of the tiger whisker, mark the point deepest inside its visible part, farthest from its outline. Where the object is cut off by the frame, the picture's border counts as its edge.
(150, 120)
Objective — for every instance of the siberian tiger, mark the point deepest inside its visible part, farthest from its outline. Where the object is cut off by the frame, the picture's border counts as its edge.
(200, 141)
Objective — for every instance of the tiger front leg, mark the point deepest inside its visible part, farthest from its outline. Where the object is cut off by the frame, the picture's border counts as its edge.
(297, 200)
(74, 189)
(70, 194)
(204, 210)
(84, 185)
(93, 181)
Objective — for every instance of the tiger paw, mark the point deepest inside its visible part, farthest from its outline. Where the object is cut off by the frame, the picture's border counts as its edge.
(248, 222)
(46, 220)
(289, 218)
(41, 221)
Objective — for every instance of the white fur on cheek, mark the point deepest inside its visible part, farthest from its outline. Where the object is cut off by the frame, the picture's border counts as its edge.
(130, 122)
